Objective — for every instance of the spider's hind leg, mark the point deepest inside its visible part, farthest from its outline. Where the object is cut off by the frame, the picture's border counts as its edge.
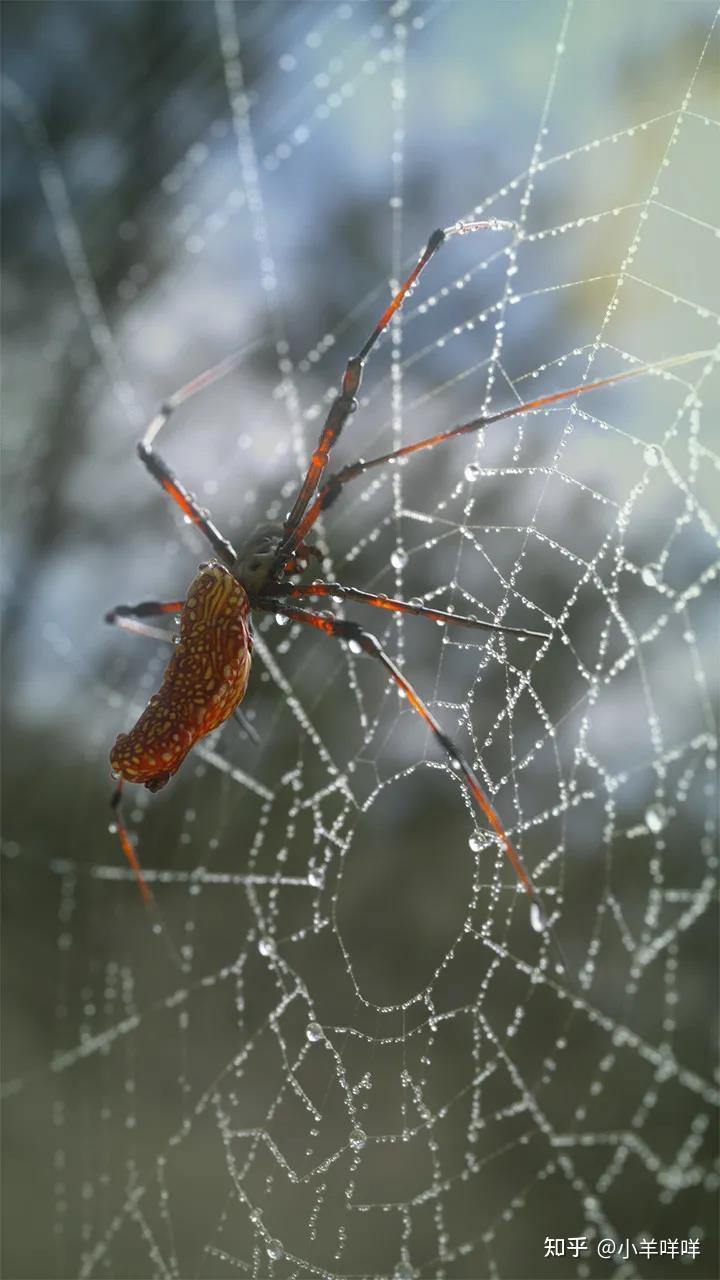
(127, 616)
(247, 728)
(127, 846)
(369, 644)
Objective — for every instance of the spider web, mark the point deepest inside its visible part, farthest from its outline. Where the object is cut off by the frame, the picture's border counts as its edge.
(356, 1057)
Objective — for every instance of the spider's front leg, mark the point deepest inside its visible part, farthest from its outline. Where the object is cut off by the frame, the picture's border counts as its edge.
(334, 485)
(345, 403)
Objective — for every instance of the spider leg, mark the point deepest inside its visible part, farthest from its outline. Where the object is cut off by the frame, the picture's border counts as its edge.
(161, 472)
(345, 403)
(369, 644)
(246, 726)
(127, 616)
(393, 605)
(146, 609)
(127, 845)
(332, 488)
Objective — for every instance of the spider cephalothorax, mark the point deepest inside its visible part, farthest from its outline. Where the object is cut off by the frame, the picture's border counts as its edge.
(257, 560)
(207, 675)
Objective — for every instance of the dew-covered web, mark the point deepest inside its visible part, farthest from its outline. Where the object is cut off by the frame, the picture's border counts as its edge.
(365, 1061)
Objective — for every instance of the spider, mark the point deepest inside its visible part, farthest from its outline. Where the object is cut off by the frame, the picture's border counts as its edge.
(207, 675)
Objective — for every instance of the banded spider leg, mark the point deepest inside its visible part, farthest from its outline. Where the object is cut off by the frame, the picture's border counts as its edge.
(362, 641)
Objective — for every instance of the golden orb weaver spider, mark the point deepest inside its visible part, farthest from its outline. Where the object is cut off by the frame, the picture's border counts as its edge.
(207, 675)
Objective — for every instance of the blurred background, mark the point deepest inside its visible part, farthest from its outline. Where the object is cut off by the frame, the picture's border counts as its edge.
(346, 1052)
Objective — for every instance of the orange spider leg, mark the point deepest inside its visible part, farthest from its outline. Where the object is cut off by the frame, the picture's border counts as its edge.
(345, 403)
(161, 472)
(370, 645)
(393, 605)
(128, 847)
(332, 488)
(183, 497)
(127, 616)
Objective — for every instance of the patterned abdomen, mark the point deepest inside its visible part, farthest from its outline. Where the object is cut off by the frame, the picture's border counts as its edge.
(204, 682)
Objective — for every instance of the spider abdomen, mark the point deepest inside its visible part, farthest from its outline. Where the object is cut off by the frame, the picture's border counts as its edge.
(205, 680)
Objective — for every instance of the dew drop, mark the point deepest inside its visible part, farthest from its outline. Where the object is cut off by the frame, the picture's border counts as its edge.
(357, 1139)
(281, 619)
(399, 558)
(648, 576)
(266, 947)
(538, 919)
(472, 471)
(652, 455)
(316, 877)
(655, 817)
(314, 1032)
(403, 1271)
(274, 1250)
(475, 842)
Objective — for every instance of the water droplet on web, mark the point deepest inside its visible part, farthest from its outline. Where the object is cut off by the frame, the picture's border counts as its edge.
(655, 817)
(403, 1271)
(648, 576)
(475, 842)
(399, 558)
(652, 455)
(314, 1032)
(274, 1250)
(357, 1139)
(538, 919)
(316, 877)
(472, 471)
(266, 947)
(281, 619)
(256, 1215)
